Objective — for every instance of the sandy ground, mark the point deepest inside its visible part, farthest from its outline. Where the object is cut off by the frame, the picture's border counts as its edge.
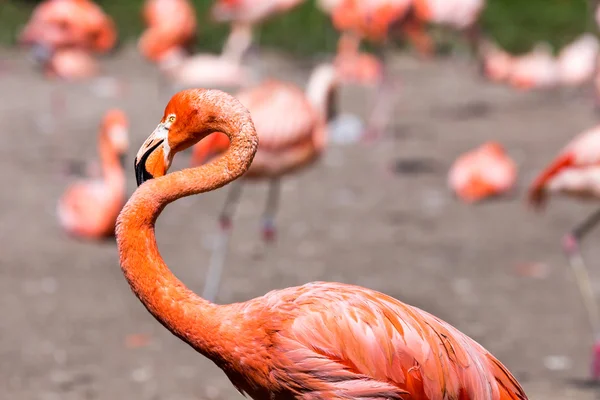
(67, 312)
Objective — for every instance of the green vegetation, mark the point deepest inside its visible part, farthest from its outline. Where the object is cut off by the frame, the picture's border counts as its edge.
(515, 24)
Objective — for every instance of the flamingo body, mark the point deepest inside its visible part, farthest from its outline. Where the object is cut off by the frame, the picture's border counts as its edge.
(167, 33)
(370, 18)
(250, 11)
(483, 172)
(459, 14)
(206, 70)
(292, 131)
(70, 23)
(72, 64)
(537, 69)
(577, 61)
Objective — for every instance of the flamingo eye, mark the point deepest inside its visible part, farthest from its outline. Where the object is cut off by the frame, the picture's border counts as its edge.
(171, 118)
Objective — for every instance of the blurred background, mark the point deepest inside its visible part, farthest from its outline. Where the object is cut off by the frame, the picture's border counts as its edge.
(382, 213)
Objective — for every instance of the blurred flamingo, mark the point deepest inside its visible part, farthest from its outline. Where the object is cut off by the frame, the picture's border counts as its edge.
(371, 20)
(577, 61)
(204, 70)
(496, 63)
(576, 172)
(317, 341)
(90, 208)
(71, 64)
(292, 127)
(461, 15)
(483, 172)
(243, 15)
(535, 70)
(352, 66)
(57, 24)
(165, 34)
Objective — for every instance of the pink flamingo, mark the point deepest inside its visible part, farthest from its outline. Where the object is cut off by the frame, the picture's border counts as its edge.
(56, 24)
(535, 70)
(371, 20)
(461, 15)
(243, 16)
(576, 172)
(483, 172)
(165, 34)
(205, 70)
(90, 208)
(317, 341)
(496, 63)
(577, 61)
(292, 127)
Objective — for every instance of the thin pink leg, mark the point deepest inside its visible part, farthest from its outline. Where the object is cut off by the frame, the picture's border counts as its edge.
(269, 230)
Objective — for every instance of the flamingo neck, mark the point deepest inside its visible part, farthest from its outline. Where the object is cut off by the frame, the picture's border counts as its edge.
(238, 42)
(110, 161)
(193, 319)
(321, 90)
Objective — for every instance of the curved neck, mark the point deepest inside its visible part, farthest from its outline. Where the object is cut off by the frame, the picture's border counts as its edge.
(110, 160)
(188, 316)
(321, 90)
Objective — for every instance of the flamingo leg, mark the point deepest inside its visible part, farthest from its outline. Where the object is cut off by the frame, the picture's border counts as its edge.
(571, 248)
(217, 259)
(268, 224)
(378, 119)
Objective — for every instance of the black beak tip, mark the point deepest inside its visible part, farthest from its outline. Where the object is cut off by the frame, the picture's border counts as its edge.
(141, 174)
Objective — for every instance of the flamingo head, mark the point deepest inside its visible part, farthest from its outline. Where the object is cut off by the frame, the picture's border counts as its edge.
(115, 125)
(186, 121)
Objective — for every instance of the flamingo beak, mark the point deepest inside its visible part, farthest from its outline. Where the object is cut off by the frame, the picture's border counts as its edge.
(154, 157)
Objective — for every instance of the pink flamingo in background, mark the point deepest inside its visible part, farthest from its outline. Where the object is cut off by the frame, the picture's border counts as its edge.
(165, 34)
(352, 65)
(576, 172)
(496, 63)
(316, 341)
(292, 127)
(90, 208)
(461, 15)
(576, 62)
(481, 173)
(57, 24)
(243, 16)
(371, 20)
(534, 70)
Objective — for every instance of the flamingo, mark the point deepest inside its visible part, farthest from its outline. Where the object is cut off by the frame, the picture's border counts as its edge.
(322, 340)
(575, 172)
(164, 34)
(89, 209)
(496, 63)
(577, 61)
(352, 65)
(243, 16)
(71, 64)
(483, 172)
(536, 69)
(56, 24)
(461, 15)
(371, 20)
(203, 69)
(292, 128)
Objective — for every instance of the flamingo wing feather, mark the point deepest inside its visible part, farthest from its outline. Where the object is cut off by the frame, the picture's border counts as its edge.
(350, 342)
